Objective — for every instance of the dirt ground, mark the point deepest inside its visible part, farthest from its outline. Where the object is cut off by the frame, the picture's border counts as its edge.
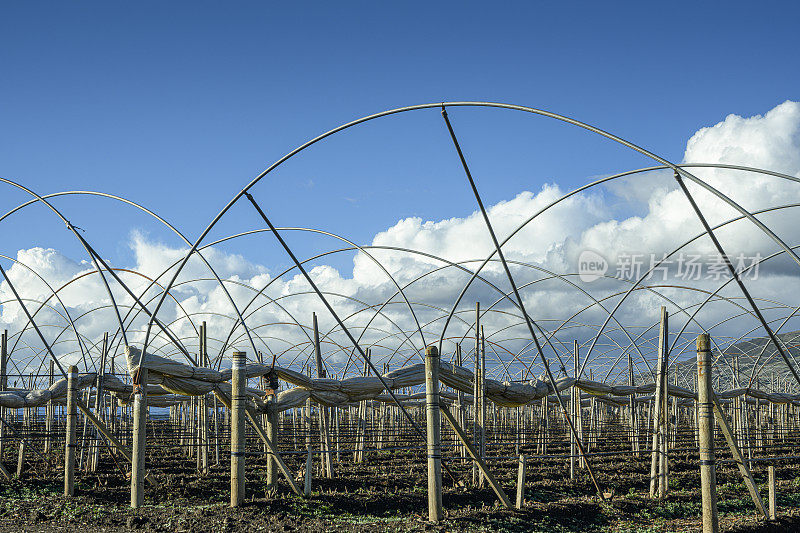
(387, 492)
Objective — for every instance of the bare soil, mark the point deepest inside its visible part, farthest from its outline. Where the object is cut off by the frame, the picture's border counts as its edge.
(387, 492)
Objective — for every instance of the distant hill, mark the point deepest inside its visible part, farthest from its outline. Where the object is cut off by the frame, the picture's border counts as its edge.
(759, 351)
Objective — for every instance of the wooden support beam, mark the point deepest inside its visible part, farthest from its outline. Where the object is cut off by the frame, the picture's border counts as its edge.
(475, 457)
(739, 458)
(105, 432)
(5, 472)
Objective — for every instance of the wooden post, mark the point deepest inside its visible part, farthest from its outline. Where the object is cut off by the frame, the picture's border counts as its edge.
(83, 445)
(139, 437)
(433, 434)
(98, 406)
(544, 428)
(772, 495)
(216, 431)
(382, 409)
(113, 403)
(48, 417)
(705, 403)
(663, 458)
(193, 429)
(460, 403)
(673, 428)
(21, 456)
(482, 407)
(3, 384)
(575, 398)
(520, 481)
(657, 463)
(632, 408)
(361, 431)
(336, 416)
(203, 434)
(324, 421)
(308, 420)
(182, 421)
(309, 469)
(737, 425)
(272, 434)
(476, 392)
(695, 414)
(70, 440)
(238, 399)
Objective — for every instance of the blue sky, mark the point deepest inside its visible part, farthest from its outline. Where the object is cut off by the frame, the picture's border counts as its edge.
(177, 105)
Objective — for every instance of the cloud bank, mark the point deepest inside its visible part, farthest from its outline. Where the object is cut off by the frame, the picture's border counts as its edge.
(419, 257)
